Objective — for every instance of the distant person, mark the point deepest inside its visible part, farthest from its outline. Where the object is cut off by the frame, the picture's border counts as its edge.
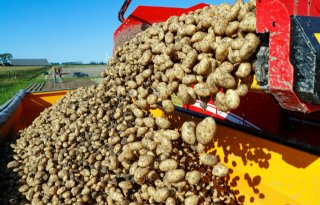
(54, 74)
(59, 69)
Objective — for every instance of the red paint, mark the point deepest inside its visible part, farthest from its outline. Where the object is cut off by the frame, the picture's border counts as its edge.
(273, 16)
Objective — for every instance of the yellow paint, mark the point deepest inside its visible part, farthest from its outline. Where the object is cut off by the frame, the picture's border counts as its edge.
(252, 84)
(317, 35)
(280, 175)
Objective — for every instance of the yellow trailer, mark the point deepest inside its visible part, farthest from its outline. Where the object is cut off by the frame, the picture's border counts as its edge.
(261, 171)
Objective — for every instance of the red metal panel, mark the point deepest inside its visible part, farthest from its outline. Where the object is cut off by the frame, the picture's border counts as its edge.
(301, 7)
(315, 8)
(273, 16)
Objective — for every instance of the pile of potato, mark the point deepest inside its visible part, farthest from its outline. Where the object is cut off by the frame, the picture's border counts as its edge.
(100, 145)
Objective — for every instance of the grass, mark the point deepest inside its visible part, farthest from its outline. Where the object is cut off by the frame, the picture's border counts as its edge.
(12, 79)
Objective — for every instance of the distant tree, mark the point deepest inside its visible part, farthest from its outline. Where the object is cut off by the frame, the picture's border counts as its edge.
(93, 63)
(72, 63)
(102, 63)
(5, 57)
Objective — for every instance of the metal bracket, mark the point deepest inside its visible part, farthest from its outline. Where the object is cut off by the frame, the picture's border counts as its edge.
(262, 65)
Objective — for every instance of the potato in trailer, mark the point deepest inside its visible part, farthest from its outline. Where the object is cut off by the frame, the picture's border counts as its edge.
(275, 155)
(264, 168)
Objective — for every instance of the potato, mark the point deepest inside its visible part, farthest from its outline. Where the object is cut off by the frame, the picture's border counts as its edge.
(205, 131)
(183, 94)
(161, 195)
(193, 177)
(145, 58)
(252, 4)
(132, 84)
(222, 52)
(158, 48)
(149, 122)
(204, 45)
(203, 67)
(152, 99)
(232, 28)
(169, 37)
(192, 95)
(210, 82)
(168, 106)
(204, 22)
(149, 144)
(207, 159)
(175, 175)
(224, 79)
(192, 200)
(220, 102)
(237, 43)
(178, 71)
(220, 26)
(136, 111)
(243, 11)
(168, 164)
(226, 67)
(234, 56)
(165, 146)
(232, 99)
(125, 185)
(172, 87)
(141, 131)
(234, 11)
(219, 170)
(171, 134)
(145, 161)
(163, 122)
(147, 73)
(170, 75)
(187, 30)
(142, 103)
(248, 24)
(244, 70)
(170, 51)
(188, 132)
(189, 79)
(170, 201)
(140, 174)
(174, 27)
(198, 36)
(249, 47)
(186, 48)
(202, 90)
(242, 89)
(190, 59)
(143, 93)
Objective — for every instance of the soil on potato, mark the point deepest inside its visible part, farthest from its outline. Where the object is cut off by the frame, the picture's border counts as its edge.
(70, 84)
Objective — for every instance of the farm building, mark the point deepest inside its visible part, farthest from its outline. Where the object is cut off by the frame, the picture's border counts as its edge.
(29, 62)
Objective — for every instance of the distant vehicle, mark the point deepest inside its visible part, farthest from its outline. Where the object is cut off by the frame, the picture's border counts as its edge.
(79, 75)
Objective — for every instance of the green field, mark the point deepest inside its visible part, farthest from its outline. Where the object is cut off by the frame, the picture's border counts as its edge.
(12, 79)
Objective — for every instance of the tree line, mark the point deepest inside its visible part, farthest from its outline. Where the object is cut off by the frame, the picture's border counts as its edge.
(5, 60)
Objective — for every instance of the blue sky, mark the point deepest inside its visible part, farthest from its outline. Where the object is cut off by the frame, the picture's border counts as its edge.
(66, 30)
